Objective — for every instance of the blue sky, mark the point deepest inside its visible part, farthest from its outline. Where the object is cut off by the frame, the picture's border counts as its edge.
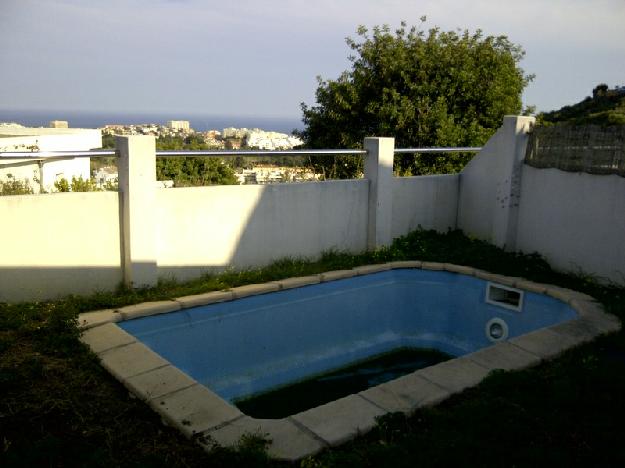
(261, 57)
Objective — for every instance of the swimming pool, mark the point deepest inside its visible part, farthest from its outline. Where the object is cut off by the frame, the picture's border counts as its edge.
(242, 347)
(192, 363)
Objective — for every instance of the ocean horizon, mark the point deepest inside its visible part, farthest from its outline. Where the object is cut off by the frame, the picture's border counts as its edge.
(199, 122)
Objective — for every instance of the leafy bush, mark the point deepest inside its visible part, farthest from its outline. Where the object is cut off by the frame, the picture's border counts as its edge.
(78, 185)
(15, 187)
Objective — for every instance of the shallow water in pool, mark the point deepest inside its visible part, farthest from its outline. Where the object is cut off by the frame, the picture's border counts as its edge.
(341, 382)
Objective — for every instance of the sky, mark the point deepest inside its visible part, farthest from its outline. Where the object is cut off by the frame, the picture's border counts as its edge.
(262, 57)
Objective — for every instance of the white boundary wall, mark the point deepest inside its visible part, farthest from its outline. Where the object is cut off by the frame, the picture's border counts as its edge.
(427, 202)
(58, 244)
(251, 225)
(576, 220)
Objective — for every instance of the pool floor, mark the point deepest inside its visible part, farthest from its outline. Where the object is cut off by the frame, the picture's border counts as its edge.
(198, 412)
(339, 383)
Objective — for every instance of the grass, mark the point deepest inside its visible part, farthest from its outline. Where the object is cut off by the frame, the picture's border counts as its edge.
(59, 408)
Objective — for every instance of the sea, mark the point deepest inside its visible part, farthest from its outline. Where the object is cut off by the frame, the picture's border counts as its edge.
(199, 122)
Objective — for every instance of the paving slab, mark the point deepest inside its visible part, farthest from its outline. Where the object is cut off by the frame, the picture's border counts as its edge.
(204, 299)
(158, 382)
(504, 356)
(495, 278)
(337, 274)
(582, 330)
(432, 266)
(454, 375)
(530, 286)
(105, 337)
(407, 264)
(340, 420)
(567, 295)
(146, 309)
(194, 409)
(405, 394)
(288, 441)
(587, 308)
(593, 311)
(290, 283)
(130, 360)
(367, 269)
(461, 269)
(254, 289)
(544, 343)
(97, 317)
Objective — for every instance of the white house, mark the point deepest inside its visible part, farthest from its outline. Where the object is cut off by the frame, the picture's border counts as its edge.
(41, 175)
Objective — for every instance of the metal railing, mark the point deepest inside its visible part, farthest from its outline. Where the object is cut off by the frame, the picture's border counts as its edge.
(220, 153)
(56, 154)
(460, 149)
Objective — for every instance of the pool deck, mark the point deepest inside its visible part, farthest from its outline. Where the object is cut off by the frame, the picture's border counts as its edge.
(198, 412)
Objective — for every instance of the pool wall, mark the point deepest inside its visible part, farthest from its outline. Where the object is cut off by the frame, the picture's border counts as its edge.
(196, 410)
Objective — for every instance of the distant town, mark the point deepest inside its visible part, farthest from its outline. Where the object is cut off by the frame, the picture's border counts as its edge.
(228, 138)
(103, 172)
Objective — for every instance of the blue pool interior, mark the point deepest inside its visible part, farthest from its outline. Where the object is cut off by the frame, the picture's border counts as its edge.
(251, 345)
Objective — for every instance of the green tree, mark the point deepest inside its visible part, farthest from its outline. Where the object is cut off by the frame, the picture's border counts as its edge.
(425, 89)
(191, 171)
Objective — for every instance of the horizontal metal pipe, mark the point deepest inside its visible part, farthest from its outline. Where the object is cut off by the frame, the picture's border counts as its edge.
(219, 153)
(56, 154)
(161, 153)
(461, 149)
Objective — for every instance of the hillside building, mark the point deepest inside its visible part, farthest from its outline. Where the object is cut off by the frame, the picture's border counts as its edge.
(41, 175)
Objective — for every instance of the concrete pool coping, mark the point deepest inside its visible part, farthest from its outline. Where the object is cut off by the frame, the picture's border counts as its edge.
(198, 412)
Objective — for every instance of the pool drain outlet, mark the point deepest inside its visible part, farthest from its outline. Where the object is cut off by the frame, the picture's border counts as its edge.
(496, 330)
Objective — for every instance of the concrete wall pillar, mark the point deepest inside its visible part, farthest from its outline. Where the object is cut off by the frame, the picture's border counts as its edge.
(137, 191)
(379, 173)
(505, 221)
(490, 185)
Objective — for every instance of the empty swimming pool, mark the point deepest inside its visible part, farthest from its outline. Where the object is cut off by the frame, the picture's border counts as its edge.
(242, 347)
(191, 357)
